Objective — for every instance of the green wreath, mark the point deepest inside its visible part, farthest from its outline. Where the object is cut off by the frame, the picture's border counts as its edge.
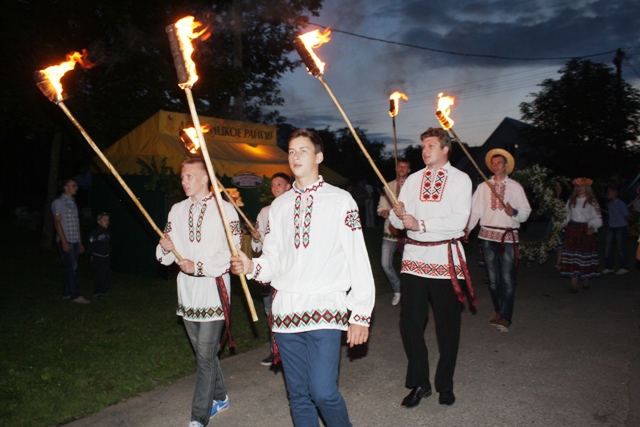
(536, 178)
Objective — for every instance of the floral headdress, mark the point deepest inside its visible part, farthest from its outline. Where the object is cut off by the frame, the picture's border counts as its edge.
(583, 181)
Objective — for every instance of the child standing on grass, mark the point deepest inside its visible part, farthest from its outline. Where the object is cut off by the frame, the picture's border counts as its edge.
(100, 249)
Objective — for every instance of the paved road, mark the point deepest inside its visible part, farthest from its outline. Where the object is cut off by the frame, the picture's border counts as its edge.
(568, 360)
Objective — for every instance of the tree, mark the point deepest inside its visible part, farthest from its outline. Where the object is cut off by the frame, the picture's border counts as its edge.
(586, 122)
(135, 75)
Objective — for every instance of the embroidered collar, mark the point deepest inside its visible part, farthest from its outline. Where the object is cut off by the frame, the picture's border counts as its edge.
(203, 201)
(310, 188)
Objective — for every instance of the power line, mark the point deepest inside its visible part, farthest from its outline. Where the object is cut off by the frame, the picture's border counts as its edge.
(448, 52)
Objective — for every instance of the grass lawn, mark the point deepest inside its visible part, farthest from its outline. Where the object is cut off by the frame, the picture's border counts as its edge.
(61, 361)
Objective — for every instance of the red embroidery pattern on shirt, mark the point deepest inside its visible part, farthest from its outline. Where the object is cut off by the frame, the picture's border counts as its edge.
(200, 313)
(500, 188)
(433, 184)
(353, 221)
(431, 270)
(199, 269)
(362, 319)
(311, 317)
(236, 230)
(197, 233)
(302, 235)
(257, 269)
(167, 228)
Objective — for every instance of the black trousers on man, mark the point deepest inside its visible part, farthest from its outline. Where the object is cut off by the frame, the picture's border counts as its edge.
(417, 293)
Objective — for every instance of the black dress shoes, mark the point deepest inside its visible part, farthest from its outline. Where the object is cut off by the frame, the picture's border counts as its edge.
(447, 398)
(413, 398)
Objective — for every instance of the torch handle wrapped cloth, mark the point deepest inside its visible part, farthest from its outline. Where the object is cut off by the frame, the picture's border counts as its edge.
(306, 57)
(178, 58)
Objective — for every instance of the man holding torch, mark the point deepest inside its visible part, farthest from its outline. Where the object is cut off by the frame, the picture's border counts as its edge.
(433, 206)
(499, 223)
(313, 254)
(195, 229)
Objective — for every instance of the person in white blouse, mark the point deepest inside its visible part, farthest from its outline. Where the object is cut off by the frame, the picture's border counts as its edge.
(580, 259)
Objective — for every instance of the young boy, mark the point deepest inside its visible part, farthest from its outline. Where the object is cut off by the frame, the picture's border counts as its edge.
(314, 253)
(616, 233)
(99, 249)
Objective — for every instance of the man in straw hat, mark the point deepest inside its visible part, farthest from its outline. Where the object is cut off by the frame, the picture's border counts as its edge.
(500, 218)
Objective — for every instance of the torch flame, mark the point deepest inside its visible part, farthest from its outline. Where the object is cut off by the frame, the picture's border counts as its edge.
(192, 143)
(312, 40)
(48, 80)
(395, 104)
(443, 111)
(185, 31)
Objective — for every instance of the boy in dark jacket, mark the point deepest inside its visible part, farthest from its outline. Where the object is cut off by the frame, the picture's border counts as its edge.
(99, 250)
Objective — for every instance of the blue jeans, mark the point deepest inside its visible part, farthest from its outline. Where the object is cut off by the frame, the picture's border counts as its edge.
(310, 361)
(71, 286)
(210, 385)
(616, 242)
(389, 248)
(502, 276)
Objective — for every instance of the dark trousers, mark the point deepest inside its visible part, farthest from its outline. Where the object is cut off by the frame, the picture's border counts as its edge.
(101, 274)
(417, 293)
(71, 285)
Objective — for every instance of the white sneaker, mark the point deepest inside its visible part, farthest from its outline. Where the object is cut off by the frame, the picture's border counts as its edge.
(194, 424)
(606, 271)
(622, 271)
(81, 300)
(396, 298)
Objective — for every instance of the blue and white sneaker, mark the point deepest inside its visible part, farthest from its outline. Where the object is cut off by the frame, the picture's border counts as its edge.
(194, 424)
(219, 406)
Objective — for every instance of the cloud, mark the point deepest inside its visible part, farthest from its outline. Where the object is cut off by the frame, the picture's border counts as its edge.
(514, 28)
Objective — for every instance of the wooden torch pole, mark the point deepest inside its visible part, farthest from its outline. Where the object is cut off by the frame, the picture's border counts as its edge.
(114, 172)
(357, 138)
(223, 212)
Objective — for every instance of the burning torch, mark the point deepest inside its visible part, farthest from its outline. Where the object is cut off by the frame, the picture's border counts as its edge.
(394, 108)
(180, 35)
(191, 142)
(442, 113)
(304, 45)
(48, 81)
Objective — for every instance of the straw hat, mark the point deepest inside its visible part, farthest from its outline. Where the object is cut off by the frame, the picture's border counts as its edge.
(511, 163)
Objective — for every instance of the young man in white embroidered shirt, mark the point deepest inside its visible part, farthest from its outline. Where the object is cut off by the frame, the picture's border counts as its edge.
(433, 207)
(195, 230)
(280, 183)
(313, 254)
(498, 234)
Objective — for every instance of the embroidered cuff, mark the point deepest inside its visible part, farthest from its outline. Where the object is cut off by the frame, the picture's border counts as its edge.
(359, 319)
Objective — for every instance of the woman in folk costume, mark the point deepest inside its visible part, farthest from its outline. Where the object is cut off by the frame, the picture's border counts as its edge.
(580, 259)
